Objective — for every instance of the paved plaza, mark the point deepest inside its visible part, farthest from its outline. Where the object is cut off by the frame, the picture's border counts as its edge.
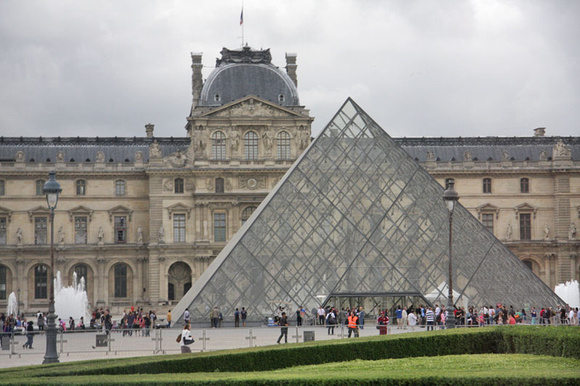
(76, 346)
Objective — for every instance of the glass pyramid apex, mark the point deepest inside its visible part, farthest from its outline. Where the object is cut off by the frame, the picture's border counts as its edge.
(357, 216)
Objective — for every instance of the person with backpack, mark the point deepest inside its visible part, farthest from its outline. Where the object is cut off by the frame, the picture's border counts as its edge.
(331, 321)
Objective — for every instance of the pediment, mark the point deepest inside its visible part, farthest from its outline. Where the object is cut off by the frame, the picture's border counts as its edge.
(251, 106)
(38, 211)
(79, 210)
(525, 208)
(120, 210)
(487, 208)
(6, 212)
(179, 208)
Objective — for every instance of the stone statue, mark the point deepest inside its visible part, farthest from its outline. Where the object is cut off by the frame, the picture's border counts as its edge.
(234, 140)
(508, 233)
(140, 234)
(467, 157)
(139, 156)
(199, 149)
(304, 140)
(546, 232)
(101, 236)
(430, 156)
(505, 156)
(100, 156)
(19, 236)
(161, 235)
(60, 235)
(572, 231)
(154, 150)
(268, 140)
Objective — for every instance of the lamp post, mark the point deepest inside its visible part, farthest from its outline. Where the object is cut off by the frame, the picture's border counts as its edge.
(52, 190)
(450, 197)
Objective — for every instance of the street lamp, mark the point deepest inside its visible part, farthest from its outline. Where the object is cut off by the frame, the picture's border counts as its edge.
(52, 190)
(450, 197)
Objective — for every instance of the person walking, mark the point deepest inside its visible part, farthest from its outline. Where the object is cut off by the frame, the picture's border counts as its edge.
(331, 321)
(186, 339)
(29, 335)
(283, 323)
(169, 319)
(430, 317)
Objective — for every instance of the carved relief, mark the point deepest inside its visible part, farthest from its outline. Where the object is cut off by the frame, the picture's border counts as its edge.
(60, 156)
(248, 108)
(20, 156)
(168, 185)
(467, 157)
(303, 140)
(228, 184)
(139, 156)
(505, 156)
(199, 149)
(268, 139)
(234, 140)
(253, 183)
(543, 156)
(560, 150)
(209, 184)
(190, 185)
(177, 159)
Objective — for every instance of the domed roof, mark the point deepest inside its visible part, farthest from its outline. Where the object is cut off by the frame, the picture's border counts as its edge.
(244, 72)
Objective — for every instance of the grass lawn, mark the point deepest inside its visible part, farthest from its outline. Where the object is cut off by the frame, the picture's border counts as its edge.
(482, 368)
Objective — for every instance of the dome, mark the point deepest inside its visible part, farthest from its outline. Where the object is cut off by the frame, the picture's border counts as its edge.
(247, 72)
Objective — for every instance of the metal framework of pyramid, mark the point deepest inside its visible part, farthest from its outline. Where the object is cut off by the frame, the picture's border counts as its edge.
(357, 215)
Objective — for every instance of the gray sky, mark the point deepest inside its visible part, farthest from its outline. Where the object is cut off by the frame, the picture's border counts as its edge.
(418, 67)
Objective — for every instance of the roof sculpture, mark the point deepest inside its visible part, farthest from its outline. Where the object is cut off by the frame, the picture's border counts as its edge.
(356, 214)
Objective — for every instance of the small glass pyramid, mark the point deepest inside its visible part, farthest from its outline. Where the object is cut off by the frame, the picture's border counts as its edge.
(356, 216)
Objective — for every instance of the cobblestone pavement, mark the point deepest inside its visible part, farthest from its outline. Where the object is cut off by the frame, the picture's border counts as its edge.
(76, 346)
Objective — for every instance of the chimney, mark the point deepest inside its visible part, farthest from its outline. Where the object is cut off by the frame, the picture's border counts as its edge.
(291, 67)
(149, 130)
(539, 132)
(196, 77)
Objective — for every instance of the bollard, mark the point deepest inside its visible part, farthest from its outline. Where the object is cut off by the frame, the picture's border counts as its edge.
(297, 336)
(203, 338)
(251, 338)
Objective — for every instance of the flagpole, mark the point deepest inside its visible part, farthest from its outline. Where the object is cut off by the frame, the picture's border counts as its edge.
(242, 23)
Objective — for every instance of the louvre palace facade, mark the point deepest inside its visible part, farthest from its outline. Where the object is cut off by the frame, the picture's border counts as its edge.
(141, 217)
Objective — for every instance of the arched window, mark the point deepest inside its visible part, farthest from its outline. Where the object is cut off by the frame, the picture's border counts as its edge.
(218, 146)
(40, 187)
(81, 187)
(3, 282)
(40, 282)
(119, 188)
(251, 145)
(487, 185)
(283, 145)
(219, 185)
(121, 280)
(524, 185)
(246, 213)
(82, 272)
(178, 185)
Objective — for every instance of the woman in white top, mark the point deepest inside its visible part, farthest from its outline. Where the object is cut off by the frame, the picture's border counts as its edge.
(185, 336)
(412, 319)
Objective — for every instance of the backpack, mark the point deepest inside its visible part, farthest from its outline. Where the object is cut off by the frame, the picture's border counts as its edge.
(178, 340)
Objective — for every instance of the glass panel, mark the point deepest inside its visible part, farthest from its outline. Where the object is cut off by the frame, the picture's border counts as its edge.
(178, 184)
(179, 228)
(121, 281)
(40, 230)
(251, 145)
(40, 282)
(525, 226)
(120, 229)
(218, 146)
(80, 230)
(283, 145)
(120, 188)
(81, 185)
(358, 217)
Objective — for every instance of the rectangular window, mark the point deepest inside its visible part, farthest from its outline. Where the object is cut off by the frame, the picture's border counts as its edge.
(487, 221)
(3, 283)
(120, 229)
(525, 185)
(81, 187)
(179, 228)
(178, 185)
(119, 188)
(80, 230)
(2, 188)
(219, 227)
(525, 226)
(219, 185)
(40, 230)
(487, 185)
(2, 230)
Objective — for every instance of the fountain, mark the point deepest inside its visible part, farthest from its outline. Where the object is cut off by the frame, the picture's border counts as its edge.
(12, 305)
(569, 292)
(71, 301)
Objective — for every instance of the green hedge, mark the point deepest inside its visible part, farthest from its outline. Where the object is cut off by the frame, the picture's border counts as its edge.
(552, 341)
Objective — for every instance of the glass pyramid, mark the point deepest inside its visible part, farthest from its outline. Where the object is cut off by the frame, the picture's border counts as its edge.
(357, 216)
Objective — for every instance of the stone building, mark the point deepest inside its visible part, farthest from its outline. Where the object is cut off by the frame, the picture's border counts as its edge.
(140, 218)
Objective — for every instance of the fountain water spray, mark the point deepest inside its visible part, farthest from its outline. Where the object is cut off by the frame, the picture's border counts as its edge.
(71, 301)
(12, 305)
(569, 292)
